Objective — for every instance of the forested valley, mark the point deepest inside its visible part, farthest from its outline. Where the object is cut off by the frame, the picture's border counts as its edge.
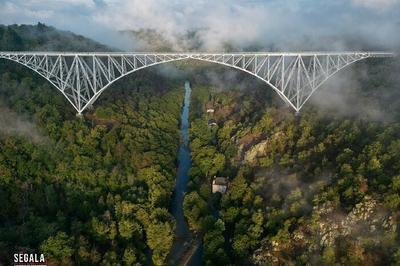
(93, 190)
(321, 188)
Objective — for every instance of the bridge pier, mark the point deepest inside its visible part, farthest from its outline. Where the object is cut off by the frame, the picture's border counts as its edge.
(79, 115)
(297, 118)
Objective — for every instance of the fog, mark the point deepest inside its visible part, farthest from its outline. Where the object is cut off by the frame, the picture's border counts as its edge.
(12, 123)
(214, 25)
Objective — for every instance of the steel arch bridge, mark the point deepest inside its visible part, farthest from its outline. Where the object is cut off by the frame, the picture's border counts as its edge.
(82, 77)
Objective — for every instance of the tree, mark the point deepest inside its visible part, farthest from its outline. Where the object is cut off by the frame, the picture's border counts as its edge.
(159, 238)
(128, 228)
(329, 256)
(129, 256)
(58, 247)
(195, 207)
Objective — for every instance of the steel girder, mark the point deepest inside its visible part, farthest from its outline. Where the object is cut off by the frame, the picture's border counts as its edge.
(82, 77)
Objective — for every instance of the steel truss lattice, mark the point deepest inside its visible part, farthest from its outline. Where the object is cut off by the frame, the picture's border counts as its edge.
(82, 77)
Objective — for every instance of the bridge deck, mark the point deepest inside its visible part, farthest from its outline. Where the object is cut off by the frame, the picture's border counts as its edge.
(301, 53)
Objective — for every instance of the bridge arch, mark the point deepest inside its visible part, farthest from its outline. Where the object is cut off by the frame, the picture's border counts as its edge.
(181, 59)
(98, 93)
(83, 77)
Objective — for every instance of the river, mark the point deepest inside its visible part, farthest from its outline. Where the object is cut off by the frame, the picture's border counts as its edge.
(183, 236)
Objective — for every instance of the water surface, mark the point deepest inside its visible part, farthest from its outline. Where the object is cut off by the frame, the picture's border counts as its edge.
(183, 234)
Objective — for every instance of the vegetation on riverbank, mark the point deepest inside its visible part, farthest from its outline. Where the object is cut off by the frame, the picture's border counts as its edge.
(320, 188)
(94, 190)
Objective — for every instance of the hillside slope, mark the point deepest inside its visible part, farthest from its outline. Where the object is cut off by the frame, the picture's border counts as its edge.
(45, 38)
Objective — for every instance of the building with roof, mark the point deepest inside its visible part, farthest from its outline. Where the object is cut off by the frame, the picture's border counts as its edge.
(219, 184)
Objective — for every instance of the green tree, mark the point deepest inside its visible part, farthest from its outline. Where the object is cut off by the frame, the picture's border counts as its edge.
(58, 247)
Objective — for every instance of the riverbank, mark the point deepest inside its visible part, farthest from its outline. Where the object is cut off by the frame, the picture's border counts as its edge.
(183, 247)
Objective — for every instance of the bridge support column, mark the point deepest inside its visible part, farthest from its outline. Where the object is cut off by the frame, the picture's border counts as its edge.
(79, 115)
(297, 118)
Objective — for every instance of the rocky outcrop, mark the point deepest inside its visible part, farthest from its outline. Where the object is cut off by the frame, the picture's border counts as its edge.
(368, 222)
(254, 152)
(366, 219)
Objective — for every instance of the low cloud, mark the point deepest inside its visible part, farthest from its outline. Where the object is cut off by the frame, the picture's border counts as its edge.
(12, 124)
(218, 25)
(240, 24)
(377, 4)
(346, 94)
(282, 186)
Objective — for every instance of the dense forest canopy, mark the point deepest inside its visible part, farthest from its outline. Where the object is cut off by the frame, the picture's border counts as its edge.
(86, 191)
(321, 188)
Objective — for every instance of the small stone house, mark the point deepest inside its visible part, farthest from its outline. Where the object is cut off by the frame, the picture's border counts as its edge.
(219, 184)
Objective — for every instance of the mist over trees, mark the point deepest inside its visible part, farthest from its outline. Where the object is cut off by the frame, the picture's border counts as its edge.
(317, 189)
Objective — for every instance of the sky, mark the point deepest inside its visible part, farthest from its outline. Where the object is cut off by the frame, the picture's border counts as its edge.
(284, 24)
